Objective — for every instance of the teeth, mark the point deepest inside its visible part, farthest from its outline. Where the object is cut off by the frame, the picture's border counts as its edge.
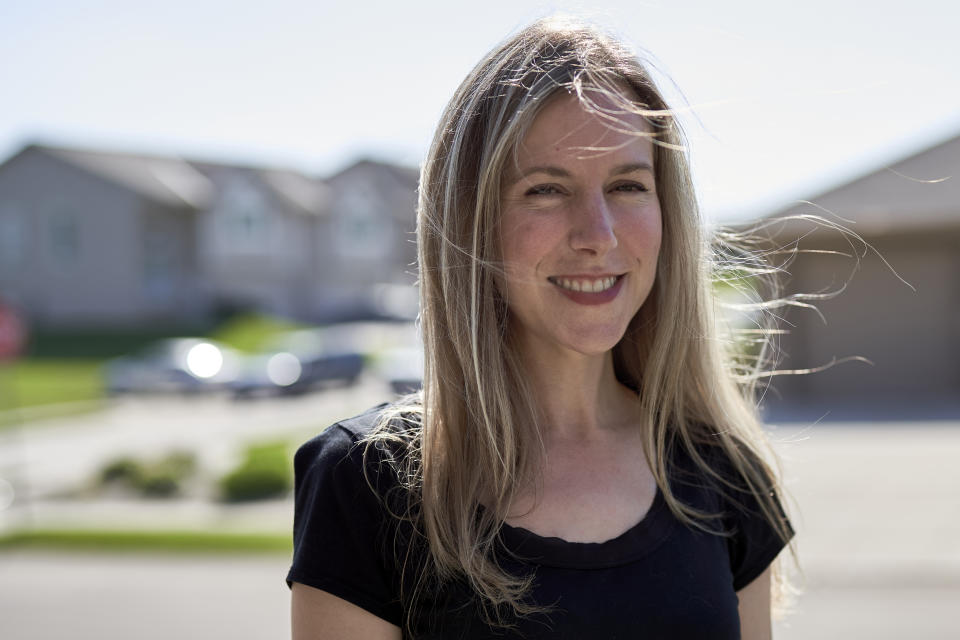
(589, 286)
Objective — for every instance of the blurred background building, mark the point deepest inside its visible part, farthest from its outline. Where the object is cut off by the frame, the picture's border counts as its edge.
(96, 239)
(893, 325)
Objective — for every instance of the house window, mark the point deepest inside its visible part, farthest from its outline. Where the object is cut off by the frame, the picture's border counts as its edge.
(64, 240)
(244, 219)
(247, 225)
(13, 239)
(362, 230)
(159, 264)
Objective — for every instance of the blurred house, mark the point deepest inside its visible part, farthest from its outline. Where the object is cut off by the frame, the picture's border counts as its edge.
(908, 214)
(91, 238)
(370, 237)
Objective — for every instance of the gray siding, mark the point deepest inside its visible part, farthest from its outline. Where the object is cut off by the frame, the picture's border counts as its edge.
(84, 259)
(368, 238)
(254, 249)
(909, 211)
(911, 338)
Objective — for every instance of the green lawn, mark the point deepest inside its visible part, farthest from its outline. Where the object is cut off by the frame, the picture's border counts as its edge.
(33, 383)
(140, 541)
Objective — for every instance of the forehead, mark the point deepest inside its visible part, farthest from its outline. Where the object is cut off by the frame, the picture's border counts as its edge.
(568, 131)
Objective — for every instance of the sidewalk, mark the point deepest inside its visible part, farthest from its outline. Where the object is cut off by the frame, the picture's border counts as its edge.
(876, 504)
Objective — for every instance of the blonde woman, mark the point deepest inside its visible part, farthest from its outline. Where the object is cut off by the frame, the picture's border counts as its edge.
(581, 462)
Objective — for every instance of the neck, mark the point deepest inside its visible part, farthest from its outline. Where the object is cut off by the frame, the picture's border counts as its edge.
(578, 396)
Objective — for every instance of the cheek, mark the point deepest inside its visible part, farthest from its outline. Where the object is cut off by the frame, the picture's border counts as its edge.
(523, 244)
(645, 233)
(511, 252)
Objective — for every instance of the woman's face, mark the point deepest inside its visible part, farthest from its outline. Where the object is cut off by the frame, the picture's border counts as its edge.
(580, 229)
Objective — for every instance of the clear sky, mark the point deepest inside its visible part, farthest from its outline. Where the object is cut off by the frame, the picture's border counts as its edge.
(787, 98)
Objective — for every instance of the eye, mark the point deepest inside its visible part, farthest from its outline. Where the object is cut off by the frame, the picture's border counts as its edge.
(543, 190)
(630, 187)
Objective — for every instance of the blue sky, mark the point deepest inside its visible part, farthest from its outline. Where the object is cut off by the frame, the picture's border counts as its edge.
(786, 98)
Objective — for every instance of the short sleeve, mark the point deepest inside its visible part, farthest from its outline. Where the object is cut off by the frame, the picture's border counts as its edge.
(754, 543)
(341, 526)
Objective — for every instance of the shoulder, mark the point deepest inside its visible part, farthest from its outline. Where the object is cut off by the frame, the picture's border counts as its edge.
(735, 483)
(347, 483)
(346, 534)
(341, 437)
(707, 459)
(728, 479)
(361, 450)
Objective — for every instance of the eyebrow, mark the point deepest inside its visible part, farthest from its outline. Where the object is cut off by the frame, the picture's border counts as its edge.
(559, 172)
(631, 167)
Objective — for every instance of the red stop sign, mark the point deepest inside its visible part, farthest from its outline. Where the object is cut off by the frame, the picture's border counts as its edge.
(13, 334)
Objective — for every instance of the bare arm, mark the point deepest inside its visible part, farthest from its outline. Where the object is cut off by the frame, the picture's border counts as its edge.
(755, 609)
(318, 615)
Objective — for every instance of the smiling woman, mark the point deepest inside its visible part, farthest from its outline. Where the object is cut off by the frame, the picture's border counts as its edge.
(581, 462)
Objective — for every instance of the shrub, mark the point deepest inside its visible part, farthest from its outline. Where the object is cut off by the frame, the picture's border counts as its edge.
(122, 470)
(179, 462)
(160, 483)
(162, 478)
(264, 473)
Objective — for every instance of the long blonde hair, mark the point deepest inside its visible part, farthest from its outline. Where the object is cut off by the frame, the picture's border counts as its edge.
(474, 434)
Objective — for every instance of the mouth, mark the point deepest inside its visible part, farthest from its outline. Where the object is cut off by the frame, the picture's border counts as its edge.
(585, 285)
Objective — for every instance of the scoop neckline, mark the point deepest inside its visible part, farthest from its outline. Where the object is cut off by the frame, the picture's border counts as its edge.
(631, 545)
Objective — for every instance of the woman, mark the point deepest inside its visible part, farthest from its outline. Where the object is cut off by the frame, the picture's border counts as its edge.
(581, 462)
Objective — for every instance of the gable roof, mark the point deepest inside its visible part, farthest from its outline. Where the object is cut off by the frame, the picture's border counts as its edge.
(179, 182)
(919, 192)
(396, 185)
(402, 175)
(167, 180)
(300, 192)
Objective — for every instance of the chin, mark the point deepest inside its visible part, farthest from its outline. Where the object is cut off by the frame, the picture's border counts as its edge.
(593, 342)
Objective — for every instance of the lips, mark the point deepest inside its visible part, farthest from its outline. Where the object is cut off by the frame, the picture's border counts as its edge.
(591, 285)
(588, 290)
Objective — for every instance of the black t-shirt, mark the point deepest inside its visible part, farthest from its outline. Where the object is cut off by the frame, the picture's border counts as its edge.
(659, 579)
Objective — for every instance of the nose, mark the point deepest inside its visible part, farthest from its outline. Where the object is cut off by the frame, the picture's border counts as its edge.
(592, 229)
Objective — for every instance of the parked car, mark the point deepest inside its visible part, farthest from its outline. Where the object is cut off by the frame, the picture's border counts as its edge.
(185, 365)
(296, 363)
(402, 369)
